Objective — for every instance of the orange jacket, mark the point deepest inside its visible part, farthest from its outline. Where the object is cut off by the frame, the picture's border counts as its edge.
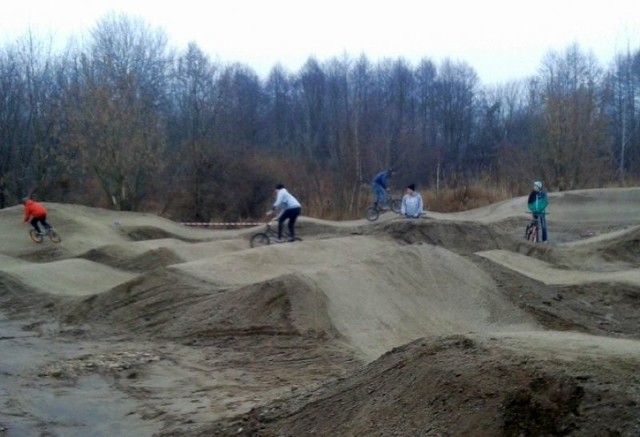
(33, 209)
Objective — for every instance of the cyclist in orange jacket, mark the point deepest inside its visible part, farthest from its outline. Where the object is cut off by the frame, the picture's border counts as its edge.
(36, 213)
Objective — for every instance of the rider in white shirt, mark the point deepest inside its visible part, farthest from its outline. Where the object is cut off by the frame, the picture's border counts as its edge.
(291, 210)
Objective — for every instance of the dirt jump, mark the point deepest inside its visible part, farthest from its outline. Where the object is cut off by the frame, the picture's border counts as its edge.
(448, 325)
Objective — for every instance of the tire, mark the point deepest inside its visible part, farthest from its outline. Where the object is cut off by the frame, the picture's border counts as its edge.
(396, 205)
(54, 236)
(259, 239)
(36, 237)
(533, 234)
(372, 213)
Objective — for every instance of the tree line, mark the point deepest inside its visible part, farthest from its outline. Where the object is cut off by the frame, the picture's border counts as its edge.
(124, 121)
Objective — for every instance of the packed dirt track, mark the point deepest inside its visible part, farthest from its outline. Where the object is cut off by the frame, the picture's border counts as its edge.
(444, 326)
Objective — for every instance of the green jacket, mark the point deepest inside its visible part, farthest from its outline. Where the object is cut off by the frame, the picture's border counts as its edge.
(538, 202)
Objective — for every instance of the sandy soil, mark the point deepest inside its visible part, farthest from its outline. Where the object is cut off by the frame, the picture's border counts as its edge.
(450, 325)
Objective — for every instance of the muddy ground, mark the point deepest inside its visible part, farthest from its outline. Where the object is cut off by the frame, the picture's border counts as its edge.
(451, 325)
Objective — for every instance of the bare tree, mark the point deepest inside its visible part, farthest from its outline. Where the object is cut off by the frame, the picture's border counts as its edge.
(117, 124)
(574, 142)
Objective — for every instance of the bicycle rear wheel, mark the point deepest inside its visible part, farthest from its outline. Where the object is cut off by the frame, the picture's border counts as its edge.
(35, 236)
(259, 239)
(372, 213)
(54, 236)
(396, 205)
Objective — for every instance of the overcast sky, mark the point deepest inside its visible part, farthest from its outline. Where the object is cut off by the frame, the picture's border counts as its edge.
(500, 39)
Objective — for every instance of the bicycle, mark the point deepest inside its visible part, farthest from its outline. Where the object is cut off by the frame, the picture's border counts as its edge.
(270, 234)
(38, 237)
(532, 231)
(373, 212)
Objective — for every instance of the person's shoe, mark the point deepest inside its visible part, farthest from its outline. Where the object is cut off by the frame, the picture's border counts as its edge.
(291, 239)
(279, 240)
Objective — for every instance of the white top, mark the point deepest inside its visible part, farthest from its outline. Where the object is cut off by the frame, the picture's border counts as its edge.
(286, 200)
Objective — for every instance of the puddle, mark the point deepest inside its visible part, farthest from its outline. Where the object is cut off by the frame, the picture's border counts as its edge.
(37, 405)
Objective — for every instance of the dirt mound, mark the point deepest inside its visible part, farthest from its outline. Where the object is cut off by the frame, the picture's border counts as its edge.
(625, 248)
(17, 298)
(453, 386)
(235, 328)
(115, 257)
(607, 309)
(170, 304)
(142, 233)
(460, 237)
(69, 277)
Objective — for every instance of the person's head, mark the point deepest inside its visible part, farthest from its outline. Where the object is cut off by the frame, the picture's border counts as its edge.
(279, 187)
(411, 188)
(391, 171)
(24, 199)
(537, 185)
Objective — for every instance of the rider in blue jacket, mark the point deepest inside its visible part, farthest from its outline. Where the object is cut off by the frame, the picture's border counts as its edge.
(380, 187)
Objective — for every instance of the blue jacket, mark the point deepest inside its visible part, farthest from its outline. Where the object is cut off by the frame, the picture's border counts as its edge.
(382, 178)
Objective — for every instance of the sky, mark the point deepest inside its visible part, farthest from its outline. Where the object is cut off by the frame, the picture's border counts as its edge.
(502, 40)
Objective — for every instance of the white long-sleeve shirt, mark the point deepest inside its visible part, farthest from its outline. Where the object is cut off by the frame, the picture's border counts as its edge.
(286, 200)
(412, 205)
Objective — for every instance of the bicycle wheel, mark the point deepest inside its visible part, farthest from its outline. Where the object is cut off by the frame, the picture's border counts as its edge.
(35, 236)
(396, 205)
(372, 213)
(533, 234)
(259, 239)
(54, 236)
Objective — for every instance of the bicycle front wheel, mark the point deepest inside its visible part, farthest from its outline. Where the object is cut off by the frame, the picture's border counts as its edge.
(259, 239)
(54, 236)
(372, 213)
(396, 205)
(533, 234)
(35, 236)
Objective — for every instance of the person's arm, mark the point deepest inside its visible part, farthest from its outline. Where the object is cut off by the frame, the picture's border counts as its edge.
(279, 199)
(403, 207)
(27, 214)
(531, 202)
(543, 202)
(420, 206)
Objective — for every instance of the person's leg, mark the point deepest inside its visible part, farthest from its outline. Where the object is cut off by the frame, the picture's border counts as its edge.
(381, 196)
(293, 216)
(543, 226)
(281, 220)
(377, 193)
(44, 222)
(34, 223)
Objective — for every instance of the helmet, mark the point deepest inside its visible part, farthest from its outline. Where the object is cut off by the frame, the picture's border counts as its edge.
(24, 199)
(537, 184)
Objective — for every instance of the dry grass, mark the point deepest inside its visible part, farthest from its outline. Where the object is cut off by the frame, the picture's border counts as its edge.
(465, 197)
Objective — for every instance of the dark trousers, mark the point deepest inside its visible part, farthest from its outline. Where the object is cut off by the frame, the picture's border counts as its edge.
(292, 215)
(43, 220)
(542, 218)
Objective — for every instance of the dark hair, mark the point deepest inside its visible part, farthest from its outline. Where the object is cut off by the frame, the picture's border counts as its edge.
(412, 187)
(279, 186)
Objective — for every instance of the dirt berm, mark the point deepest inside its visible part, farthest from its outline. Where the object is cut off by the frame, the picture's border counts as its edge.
(449, 325)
